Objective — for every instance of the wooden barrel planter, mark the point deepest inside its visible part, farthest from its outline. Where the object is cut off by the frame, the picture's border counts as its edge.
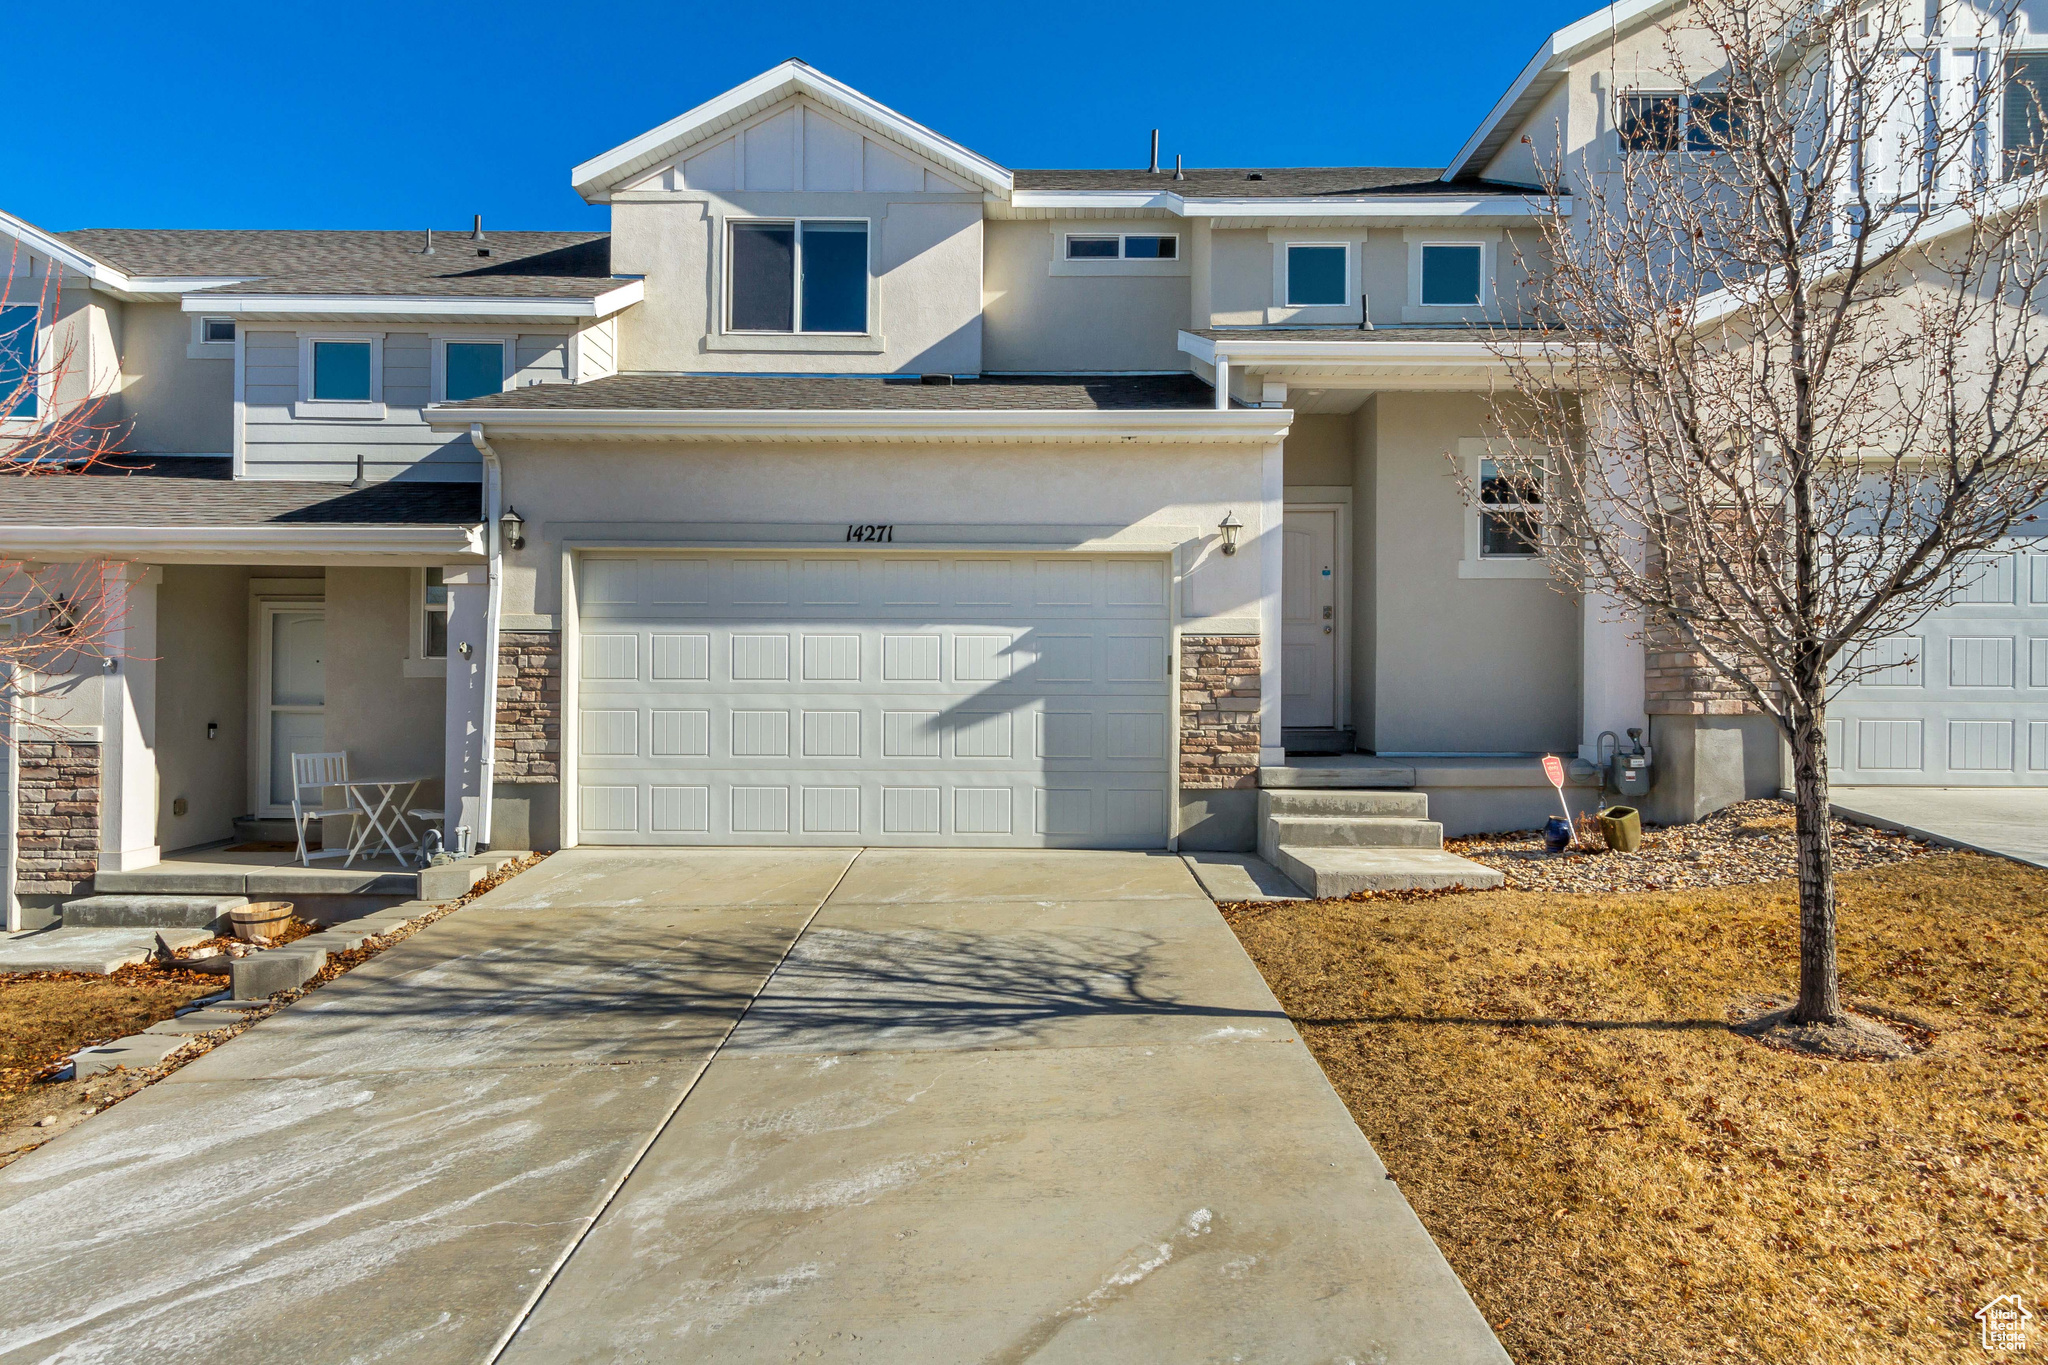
(261, 921)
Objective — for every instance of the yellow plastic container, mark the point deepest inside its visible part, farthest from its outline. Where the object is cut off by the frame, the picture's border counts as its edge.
(1622, 828)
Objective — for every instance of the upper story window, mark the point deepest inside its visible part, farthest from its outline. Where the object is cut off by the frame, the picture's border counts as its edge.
(1124, 246)
(798, 275)
(1316, 275)
(1452, 274)
(1674, 122)
(20, 377)
(341, 371)
(472, 369)
(2026, 97)
(217, 331)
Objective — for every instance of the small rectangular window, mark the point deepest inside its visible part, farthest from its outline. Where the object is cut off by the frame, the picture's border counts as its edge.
(764, 277)
(434, 617)
(19, 380)
(1151, 248)
(1091, 248)
(219, 330)
(805, 276)
(1651, 123)
(2026, 98)
(1315, 276)
(341, 371)
(1451, 275)
(474, 369)
(1510, 510)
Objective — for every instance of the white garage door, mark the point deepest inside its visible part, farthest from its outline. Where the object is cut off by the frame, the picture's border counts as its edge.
(971, 700)
(1963, 700)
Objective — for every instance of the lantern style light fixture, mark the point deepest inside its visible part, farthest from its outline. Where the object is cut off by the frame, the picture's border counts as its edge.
(513, 526)
(1230, 526)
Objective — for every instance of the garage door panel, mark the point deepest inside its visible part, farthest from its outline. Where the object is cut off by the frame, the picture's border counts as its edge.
(1960, 701)
(1005, 701)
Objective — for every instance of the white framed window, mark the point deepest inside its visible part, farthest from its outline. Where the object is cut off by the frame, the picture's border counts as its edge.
(1317, 274)
(1504, 523)
(22, 379)
(341, 375)
(1122, 246)
(797, 275)
(1453, 275)
(470, 367)
(427, 655)
(212, 339)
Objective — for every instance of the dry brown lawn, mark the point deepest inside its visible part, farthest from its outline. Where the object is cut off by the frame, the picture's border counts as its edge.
(1617, 1176)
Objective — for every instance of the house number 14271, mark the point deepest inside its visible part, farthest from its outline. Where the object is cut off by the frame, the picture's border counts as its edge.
(871, 533)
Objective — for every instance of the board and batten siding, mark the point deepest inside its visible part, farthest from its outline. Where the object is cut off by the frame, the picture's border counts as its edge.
(400, 444)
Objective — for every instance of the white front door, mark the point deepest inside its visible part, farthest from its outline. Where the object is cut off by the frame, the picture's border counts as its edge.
(999, 700)
(1308, 619)
(295, 696)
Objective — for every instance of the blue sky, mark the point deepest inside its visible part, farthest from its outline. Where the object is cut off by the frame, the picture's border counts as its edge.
(379, 114)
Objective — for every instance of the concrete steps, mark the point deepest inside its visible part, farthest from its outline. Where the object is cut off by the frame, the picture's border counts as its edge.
(1334, 841)
(150, 911)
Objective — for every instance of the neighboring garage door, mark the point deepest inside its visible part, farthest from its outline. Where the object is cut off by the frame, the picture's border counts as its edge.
(1009, 701)
(1963, 699)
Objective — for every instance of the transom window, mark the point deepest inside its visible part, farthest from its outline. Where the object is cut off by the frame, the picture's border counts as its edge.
(1510, 514)
(19, 379)
(218, 330)
(1316, 275)
(433, 616)
(341, 371)
(1451, 274)
(798, 275)
(473, 369)
(1125, 246)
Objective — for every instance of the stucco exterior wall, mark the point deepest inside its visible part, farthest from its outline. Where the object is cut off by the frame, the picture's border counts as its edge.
(387, 722)
(1126, 317)
(173, 402)
(202, 677)
(1458, 665)
(925, 251)
(1318, 452)
(1034, 494)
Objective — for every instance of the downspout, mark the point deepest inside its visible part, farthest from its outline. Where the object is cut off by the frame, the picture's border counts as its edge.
(487, 761)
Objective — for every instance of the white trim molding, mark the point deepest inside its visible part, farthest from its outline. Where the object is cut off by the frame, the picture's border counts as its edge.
(343, 409)
(867, 426)
(290, 544)
(280, 307)
(437, 359)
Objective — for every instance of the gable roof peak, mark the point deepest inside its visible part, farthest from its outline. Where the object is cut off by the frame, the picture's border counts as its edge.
(597, 177)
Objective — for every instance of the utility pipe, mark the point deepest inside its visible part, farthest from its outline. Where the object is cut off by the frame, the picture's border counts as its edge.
(487, 761)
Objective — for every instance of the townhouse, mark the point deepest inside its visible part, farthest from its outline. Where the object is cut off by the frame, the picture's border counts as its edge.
(854, 488)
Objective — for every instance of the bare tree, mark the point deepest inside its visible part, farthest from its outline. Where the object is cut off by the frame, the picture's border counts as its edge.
(1779, 378)
(53, 424)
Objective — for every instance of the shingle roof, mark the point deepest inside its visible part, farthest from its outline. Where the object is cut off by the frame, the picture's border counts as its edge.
(521, 264)
(837, 393)
(200, 491)
(1276, 182)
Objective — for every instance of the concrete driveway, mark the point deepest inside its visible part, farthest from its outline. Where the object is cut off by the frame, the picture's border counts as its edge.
(738, 1105)
(2009, 821)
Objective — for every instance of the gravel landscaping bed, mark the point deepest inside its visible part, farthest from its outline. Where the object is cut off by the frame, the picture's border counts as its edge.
(1750, 841)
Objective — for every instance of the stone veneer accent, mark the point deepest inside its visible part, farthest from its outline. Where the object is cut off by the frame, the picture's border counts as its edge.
(1679, 682)
(1219, 712)
(529, 706)
(57, 837)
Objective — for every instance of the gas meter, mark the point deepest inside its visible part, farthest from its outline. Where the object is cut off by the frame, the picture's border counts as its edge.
(1628, 770)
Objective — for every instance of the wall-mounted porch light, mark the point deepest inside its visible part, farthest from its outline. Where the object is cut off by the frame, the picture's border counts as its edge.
(1230, 526)
(514, 528)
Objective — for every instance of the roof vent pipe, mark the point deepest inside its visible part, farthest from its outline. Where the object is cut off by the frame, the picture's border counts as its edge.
(360, 481)
(476, 231)
(1155, 151)
(1176, 167)
(428, 249)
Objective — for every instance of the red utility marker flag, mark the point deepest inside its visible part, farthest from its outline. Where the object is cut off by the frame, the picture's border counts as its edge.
(1553, 768)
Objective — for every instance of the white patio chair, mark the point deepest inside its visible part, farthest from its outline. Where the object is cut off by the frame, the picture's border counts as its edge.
(312, 775)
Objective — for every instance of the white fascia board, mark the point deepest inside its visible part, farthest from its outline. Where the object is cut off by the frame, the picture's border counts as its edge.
(1186, 425)
(1391, 207)
(594, 177)
(603, 305)
(241, 544)
(1323, 351)
(1552, 61)
(156, 287)
(63, 253)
